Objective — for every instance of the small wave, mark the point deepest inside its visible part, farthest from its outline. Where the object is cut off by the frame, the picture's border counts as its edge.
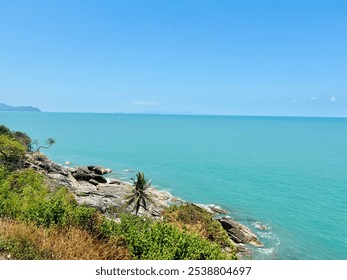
(213, 209)
(260, 226)
(269, 238)
(267, 235)
(270, 252)
(267, 251)
(128, 170)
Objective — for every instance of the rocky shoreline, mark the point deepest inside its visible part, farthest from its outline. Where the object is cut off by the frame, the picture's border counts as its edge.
(91, 188)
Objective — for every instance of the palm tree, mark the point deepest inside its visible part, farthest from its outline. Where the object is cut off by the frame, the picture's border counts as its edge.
(139, 197)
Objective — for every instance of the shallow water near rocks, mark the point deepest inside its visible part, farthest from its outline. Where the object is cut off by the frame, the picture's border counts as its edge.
(285, 178)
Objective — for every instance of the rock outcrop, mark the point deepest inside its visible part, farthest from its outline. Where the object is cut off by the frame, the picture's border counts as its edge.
(239, 233)
(92, 189)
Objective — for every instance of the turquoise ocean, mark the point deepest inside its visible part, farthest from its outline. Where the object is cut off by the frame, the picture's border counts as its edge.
(288, 173)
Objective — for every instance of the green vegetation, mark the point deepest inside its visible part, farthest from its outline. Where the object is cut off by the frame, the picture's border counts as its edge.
(24, 139)
(149, 240)
(197, 220)
(25, 197)
(11, 152)
(139, 197)
(21, 137)
(5, 130)
(42, 222)
(21, 248)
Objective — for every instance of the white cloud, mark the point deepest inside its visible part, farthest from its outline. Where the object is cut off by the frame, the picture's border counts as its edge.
(313, 98)
(144, 102)
(333, 99)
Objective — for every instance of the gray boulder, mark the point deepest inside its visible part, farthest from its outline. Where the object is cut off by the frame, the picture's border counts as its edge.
(82, 174)
(99, 170)
(99, 178)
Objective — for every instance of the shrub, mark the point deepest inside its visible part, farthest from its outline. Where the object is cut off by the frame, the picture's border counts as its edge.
(21, 248)
(26, 241)
(148, 240)
(197, 220)
(11, 152)
(21, 137)
(24, 139)
(4, 130)
(24, 196)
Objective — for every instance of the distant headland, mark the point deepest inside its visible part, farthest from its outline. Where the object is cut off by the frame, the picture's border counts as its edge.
(5, 107)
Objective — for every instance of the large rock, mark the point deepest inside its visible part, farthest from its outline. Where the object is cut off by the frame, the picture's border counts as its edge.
(100, 170)
(40, 162)
(93, 201)
(82, 174)
(239, 233)
(99, 178)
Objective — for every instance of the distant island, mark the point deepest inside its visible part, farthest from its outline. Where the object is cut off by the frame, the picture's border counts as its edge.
(5, 107)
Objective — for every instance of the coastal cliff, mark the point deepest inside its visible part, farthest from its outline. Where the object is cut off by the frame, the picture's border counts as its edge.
(91, 188)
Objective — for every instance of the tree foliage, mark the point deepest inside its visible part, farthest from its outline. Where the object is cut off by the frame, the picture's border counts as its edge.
(11, 152)
(49, 143)
(24, 139)
(20, 136)
(5, 130)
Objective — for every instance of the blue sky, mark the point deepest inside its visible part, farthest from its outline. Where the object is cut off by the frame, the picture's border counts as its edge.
(230, 57)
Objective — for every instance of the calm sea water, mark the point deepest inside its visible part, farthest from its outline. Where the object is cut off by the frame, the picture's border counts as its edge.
(289, 174)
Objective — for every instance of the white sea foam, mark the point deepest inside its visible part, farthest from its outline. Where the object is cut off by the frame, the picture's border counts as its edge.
(261, 226)
(266, 251)
(128, 170)
(270, 252)
(266, 235)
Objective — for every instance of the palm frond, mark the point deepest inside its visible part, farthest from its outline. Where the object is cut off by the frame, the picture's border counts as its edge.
(139, 198)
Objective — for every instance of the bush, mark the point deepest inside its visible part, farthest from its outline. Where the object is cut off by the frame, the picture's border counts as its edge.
(197, 220)
(4, 130)
(11, 152)
(24, 139)
(24, 196)
(149, 240)
(26, 241)
(21, 248)
(21, 137)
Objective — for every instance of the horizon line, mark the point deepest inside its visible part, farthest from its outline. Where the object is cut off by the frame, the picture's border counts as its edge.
(181, 114)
